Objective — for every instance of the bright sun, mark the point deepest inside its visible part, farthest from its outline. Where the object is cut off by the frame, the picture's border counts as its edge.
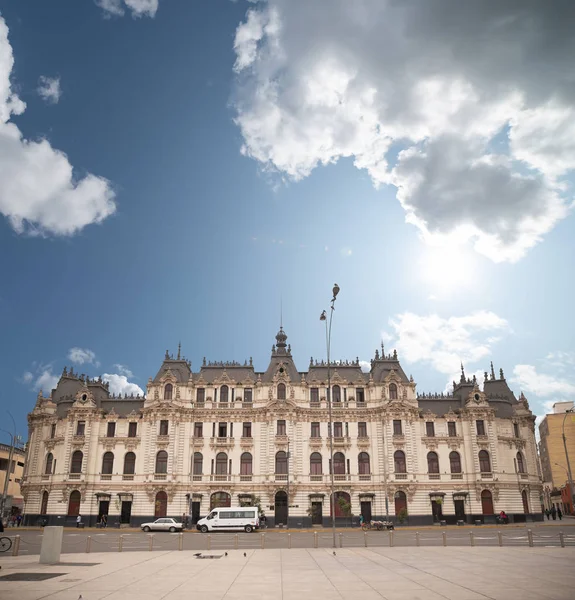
(448, 268)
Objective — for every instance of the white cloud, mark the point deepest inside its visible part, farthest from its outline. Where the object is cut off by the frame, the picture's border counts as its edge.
(365, 366)
(81, 356)
(123, 370)
(49, 89)
(42, 379)
(139, 8)
(27, 377)
(542, 384)
(444, 343)
(39, 192)
(119, 384)
(486, 127)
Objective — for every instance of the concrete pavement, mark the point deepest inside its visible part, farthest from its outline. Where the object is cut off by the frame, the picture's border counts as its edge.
(354, 574)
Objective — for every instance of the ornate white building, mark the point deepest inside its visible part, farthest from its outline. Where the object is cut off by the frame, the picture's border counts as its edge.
(230, 434)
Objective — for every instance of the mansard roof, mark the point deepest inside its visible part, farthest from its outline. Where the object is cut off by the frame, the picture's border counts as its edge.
(348, 371)
(179, 367)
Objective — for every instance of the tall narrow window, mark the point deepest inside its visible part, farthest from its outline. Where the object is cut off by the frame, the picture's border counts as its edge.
(49, 463)
(246, 464)
(281, 428)
(281, 391)
(81, 428)
(315, 464)
(201, 395)
(107, 463)
(222, 430)
(455, 462)
(338, 430)
(362, 429)
(338, 464)
(111, 430)
(247, 431)
(399, 462)
(281, 463)
(162, 462)
(484, 462)
(164, 427)
(44, 507)
(224, 390)
(363, 463)
(315, 430)
(74, 504)
(336, 391)
(359, 395)
(53, 430)
(248, 395)
(430, 429)
(221, 463)
(129, 463)
(198, 466)
(132, 429)
(480, 425)
(76, 463)
(520, 463)
(451, 429)
(392, 391)
(397, 427)
(198, 430)
(168, 390)
(314, 395)
(516, 429)
(432, 462)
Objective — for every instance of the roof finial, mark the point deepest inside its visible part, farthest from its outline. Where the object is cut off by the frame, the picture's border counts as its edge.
(179, 349)
(167, 357)
(382, 349)
(501, 376)
(394, 354)
(462, 380)
(281, 313)
(492, 372)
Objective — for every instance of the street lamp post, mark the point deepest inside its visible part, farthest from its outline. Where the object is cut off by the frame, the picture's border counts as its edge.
(13, 441)
(571, 486)
(323, 317)
(287, 486)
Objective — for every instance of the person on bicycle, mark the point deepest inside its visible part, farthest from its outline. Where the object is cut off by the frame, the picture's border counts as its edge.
(361, 520)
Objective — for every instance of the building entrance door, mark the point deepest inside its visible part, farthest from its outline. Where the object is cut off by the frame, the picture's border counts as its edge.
(459, 509)
(103, 509)
(281, 508)
(436, 508)
(126, 511)
(366, 511)
(195, 514)
(316, 513)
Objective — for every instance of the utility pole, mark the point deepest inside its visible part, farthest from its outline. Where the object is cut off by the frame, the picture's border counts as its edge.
(288, 496)
(13, 441)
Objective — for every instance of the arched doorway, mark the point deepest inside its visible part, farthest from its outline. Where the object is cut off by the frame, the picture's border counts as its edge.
(342, 504)
(486, 502)
(74, 504)
(400, 503)
(281, 508)
(525, 502)
(220, 499)
(44, 506)
(161, 505)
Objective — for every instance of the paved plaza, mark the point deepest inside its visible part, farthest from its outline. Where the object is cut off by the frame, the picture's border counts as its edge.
(352, 573)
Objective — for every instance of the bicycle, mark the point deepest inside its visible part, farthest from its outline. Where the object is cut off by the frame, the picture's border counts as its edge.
(5, 544)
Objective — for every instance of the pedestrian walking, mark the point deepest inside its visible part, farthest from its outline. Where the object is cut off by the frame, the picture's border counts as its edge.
(361, 520)
(547, 513)
(104, 521)
(559, 513)
(553, 512)
(19, 520)
(78, 521)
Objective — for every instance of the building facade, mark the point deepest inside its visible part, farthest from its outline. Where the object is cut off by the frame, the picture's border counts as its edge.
(552, 454)
(14, 502)
(230, 435)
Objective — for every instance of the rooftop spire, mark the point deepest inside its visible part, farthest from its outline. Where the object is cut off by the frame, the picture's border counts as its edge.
(462, 380)
(492, 372)
(281, 338)
(179, 349)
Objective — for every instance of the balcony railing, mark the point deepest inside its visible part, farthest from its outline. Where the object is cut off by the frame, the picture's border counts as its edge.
(456, 475)
(316, 477)
(486, 475)
(220, 477)
(126, 477)
(434, 475)
(281, 477)
(160, 476)
(74, 475)
(365, 477)
(246, 477)
(524, 475)
(341, 477)
(107, 477)
(400, 475)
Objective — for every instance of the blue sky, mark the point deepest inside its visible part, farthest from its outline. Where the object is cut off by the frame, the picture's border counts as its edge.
(215, 200)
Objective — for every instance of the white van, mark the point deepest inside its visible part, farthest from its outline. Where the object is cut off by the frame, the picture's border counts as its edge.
(241, 518)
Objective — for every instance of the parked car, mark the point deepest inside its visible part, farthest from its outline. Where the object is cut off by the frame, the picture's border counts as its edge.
(164, 524)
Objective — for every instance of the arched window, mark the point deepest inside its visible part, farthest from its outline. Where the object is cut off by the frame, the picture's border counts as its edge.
(44, 505)
(525, 501)
(455, 462)
(218, 499)
(315, 464)
(399, 462)
(432, 462)
(281, 391)
(338, 464)
(168, 391)
(74, 504)
(281, 463)
(129, 463)
(221, 463)
(107, 463)
(336, 391)
(49, 463)
(520, 463)
(224, 390)
(162, 462)
(392, 391)
(161, 505)
(76, 464)
(486, 502)
(400, 502)
(198, 464)
(363, 463)
(484, 462)
(246, 464)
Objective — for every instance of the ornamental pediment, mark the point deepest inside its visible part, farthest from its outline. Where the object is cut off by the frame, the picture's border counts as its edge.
(84, 398)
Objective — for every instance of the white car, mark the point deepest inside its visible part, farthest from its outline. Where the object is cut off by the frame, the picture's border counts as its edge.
(165, 524)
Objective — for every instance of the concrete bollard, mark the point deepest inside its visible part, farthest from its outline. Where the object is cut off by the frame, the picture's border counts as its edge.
(444, 537)
(500, 538)
(16, 547)
(121, 543)
(209, 542)
(341, 540)
(236, 541)
(181, 541)
(530, 538)
(561, 539)
(315, 536)
(151, 542)
(417, 538)
(262, 540)
(51, 545)
(391, 538)
(365, 538)
(88, 544)
(289, 541)
(471, 539)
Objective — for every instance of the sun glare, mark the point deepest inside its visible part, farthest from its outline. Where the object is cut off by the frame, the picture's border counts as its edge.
(448, 268)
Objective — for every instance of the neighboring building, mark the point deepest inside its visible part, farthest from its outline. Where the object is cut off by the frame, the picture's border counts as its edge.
(552, 454)
(222, 435)
(14, 501)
